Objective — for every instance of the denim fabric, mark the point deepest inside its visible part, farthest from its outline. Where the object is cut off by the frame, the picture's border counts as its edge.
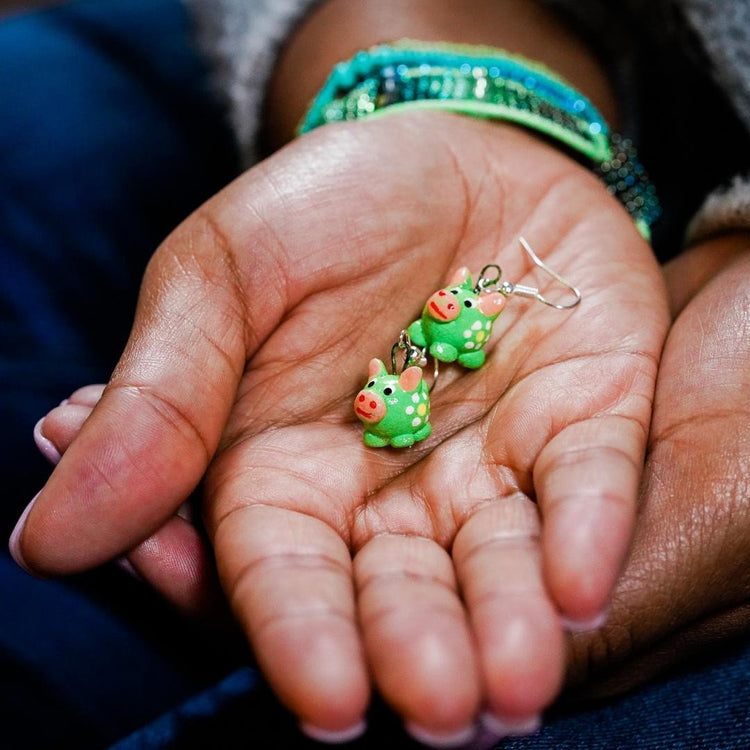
(78, 670)
(108, 138)
(707, 708)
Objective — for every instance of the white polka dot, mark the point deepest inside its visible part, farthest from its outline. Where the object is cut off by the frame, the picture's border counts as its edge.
(488, 325)
(415, 398)
(410, 410)
(467, 334)
(469, 344)
(416, 422)
(477, 326)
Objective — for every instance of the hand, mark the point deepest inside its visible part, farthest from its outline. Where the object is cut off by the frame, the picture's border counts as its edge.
(642, 637)
(418, 569)
(687, 580)
(176, 559)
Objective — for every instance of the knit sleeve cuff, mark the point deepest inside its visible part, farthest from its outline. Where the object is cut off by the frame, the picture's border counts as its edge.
(242, 39)
(726, 209)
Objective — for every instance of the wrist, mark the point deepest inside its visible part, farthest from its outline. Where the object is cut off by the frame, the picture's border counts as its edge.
(338, 28)
(486, 83)
(689, 272)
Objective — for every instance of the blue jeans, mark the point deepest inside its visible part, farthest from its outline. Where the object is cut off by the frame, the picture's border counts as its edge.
(109, 139)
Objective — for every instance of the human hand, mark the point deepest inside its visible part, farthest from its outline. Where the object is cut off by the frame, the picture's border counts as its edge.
(687, 580)
(418, 569)
(176, 559)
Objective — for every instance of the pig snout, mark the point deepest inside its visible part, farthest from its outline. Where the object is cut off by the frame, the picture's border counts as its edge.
(443, 306)
(369, 406)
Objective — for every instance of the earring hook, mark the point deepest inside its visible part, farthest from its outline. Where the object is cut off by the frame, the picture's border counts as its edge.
(530, 291)
(413, 355)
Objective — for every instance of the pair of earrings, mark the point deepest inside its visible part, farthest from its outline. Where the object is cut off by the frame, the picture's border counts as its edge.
(455, 326)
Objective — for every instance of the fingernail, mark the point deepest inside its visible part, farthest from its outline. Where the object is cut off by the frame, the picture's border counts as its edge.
(14, 543)
(186, 511)
(507, 727)
(432, 738)
(45, 445)
(124, 564)
(573, 625)
(336, 737)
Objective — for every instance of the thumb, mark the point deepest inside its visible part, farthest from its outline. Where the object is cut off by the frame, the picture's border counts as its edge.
(150, 438)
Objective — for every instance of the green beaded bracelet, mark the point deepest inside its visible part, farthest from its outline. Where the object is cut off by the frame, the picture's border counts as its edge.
(489, 83)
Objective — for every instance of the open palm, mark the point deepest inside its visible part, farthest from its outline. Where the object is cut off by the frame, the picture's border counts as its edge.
(441, 573)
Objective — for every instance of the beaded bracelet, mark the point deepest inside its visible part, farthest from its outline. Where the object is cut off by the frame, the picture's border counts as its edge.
(489, 83)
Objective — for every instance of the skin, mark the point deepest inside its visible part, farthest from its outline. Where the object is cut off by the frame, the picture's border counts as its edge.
(686, 583)
(357, 561)
(696, 495)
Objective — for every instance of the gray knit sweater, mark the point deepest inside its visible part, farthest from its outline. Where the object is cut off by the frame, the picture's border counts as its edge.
(242, 39)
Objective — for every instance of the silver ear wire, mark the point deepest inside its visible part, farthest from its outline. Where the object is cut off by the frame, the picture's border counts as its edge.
(413, 355)
(529, 291)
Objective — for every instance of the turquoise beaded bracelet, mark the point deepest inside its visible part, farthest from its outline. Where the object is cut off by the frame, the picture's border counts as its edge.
(490, 83)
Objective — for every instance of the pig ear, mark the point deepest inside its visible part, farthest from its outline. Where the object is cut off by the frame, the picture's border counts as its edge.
(461, 277)
(492, 305)
(410, 378)
(376, 368)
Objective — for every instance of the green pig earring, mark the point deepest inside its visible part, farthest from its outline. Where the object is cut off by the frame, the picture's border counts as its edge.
(457, 320)
(455, 326)
(395, 409)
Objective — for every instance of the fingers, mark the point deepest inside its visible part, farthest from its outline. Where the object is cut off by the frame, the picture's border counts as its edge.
(686, 583)
(149, 439)
(288, 578)
(587, 481)
(585, 447)
(417, 637)
(481, 622)
(287, 570)
(175, 560)
(517, 629)
(55, 432)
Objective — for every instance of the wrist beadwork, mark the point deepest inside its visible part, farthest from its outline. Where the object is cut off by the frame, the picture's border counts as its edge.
(488, 83)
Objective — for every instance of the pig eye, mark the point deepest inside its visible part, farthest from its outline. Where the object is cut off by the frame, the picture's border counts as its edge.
(469, 303)
(370, 384)
(455, 291)
(387, 391)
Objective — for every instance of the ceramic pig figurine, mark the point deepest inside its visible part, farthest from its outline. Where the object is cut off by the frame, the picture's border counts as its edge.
(457, 321)
(395, 409)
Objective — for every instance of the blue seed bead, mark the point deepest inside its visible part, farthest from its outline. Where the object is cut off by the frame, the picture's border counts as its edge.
(347, 75)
